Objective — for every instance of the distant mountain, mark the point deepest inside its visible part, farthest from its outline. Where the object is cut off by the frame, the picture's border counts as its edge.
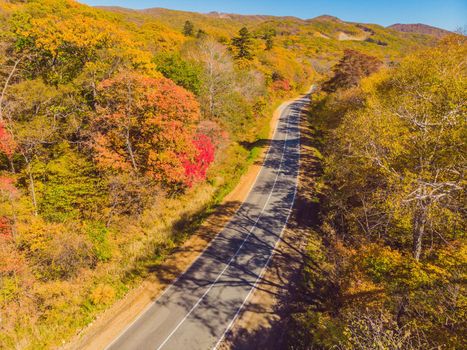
(322, 39)
(420, 28)
(326, 18)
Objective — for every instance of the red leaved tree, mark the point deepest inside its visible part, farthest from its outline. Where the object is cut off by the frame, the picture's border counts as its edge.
(146, 125)
(351, 68)
(196, 168)
(281, 85)
(7, 144)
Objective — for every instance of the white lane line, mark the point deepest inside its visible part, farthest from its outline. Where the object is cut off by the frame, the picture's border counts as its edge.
(281, 109)
(238, 250)
(270, 256)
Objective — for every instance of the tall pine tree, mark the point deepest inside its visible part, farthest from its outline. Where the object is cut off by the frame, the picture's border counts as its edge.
(243, 45)
(188, 28)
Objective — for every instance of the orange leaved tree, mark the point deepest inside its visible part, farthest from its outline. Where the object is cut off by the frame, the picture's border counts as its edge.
(145, 125)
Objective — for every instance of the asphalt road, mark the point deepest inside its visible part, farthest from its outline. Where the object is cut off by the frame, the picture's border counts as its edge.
(196, 311)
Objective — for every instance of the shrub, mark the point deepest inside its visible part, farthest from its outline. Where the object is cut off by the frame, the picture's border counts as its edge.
(103, 294)
(98, 235)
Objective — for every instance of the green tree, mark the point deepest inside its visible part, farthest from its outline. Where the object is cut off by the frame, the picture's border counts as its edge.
(269, 42)
(242, 45)
(37, 116)
(269, 39)
(188, 28)
(182, 72)
(68, 186)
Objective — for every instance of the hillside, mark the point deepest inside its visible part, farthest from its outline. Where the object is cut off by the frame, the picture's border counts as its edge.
(321, 39)
(420, 28)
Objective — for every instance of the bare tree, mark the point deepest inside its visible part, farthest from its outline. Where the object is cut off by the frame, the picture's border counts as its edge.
(218, 71)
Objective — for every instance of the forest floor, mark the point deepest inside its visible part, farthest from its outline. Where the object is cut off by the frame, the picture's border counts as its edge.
(119, 316)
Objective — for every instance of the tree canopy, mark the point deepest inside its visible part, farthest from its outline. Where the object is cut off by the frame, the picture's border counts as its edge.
(351, 68)
(391, 247)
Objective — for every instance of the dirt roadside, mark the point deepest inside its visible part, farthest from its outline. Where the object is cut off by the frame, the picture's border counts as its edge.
(262, 323)
(114, 320)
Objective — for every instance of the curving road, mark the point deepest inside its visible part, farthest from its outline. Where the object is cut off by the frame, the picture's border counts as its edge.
(196, 311)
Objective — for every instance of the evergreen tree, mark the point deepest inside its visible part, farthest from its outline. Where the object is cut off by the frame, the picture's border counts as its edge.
(188, 28)
(242, 44)
(269, 39)
(269, 42)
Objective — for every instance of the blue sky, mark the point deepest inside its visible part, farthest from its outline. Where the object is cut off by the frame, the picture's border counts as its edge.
(448, 14)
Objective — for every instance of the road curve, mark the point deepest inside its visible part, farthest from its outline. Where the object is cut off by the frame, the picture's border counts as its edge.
(196, 311)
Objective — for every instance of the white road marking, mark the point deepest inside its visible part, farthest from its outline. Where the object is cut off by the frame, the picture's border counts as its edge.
(269, 258)
(238, 250)
(281, 108)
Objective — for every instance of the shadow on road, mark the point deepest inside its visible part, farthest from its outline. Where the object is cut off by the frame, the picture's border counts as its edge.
(287, 266)
(253, 236)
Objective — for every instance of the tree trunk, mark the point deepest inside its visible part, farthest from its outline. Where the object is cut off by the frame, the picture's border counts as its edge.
(15, 221)
(5, 86)
(33, 188)
(94, 92)
(12, 165)
(401, 310)
(211, 102)
(130, 150)
(211, 90)
(419, 223)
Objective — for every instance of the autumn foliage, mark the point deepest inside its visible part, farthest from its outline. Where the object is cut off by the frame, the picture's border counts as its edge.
(387, 264)
(196, 168)
(282, 85)
(116, 129)
(147, 125)
(351, 68)
(7, 144)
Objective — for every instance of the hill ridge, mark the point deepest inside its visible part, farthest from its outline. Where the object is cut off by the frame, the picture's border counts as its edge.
(419, 28)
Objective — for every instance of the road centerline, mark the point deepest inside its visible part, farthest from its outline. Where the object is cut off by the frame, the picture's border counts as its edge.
(264, 267)
(241, 246)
